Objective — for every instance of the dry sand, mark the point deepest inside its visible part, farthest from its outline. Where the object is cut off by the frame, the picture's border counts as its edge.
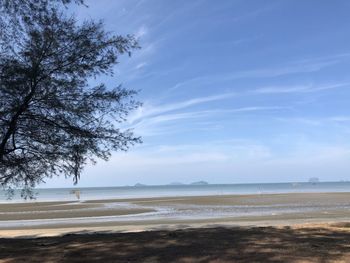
(303, 243)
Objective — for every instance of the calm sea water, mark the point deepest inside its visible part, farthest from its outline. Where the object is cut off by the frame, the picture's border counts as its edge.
(97, 193)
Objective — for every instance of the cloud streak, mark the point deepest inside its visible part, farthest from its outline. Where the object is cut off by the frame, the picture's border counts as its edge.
(156, 125)
(150, 110)
(298, 89)
(297, 67)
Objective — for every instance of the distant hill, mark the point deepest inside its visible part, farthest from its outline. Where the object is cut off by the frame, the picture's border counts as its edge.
(200, 183)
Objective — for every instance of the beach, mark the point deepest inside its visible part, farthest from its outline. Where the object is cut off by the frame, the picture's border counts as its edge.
(137, 214)
(290, 227)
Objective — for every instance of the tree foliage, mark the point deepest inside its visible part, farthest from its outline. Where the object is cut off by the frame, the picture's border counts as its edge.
(15, 12)
(52, 122)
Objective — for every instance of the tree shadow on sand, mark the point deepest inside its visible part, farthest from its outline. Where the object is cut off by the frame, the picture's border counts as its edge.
(219, 244)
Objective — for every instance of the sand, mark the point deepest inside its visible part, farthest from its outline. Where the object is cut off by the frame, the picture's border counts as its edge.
(121, 215)
(303, 243)
(134, 232)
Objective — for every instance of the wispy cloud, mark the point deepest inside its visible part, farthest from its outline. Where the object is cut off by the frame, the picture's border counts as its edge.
(206, 113)
(340, 118)
(140, 65)
(211, 151)
(171, 123)
(298, 89)
(318, 121)
(142, 31)
(296, 67)
(149, 109)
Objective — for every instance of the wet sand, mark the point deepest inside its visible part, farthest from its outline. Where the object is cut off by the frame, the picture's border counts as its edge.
(125, 215)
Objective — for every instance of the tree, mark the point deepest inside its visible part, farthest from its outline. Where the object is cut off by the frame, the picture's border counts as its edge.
(13, 12)
(52, 122)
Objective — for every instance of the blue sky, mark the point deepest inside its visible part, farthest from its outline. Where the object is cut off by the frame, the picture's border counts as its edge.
(232, 91)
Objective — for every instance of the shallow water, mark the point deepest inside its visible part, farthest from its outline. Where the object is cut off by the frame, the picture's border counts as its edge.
(99, 193)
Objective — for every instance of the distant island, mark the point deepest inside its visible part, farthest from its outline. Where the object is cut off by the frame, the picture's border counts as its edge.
(200, 183)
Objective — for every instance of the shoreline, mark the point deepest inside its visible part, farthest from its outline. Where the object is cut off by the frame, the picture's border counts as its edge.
(147, 191)
(133, 198)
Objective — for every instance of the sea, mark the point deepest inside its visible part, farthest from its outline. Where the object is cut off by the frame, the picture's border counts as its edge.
(127, 192)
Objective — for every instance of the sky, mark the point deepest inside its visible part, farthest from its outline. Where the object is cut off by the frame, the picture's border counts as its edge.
(233, 91)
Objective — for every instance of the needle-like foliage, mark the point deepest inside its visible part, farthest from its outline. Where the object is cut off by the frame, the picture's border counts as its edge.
(52, 122)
